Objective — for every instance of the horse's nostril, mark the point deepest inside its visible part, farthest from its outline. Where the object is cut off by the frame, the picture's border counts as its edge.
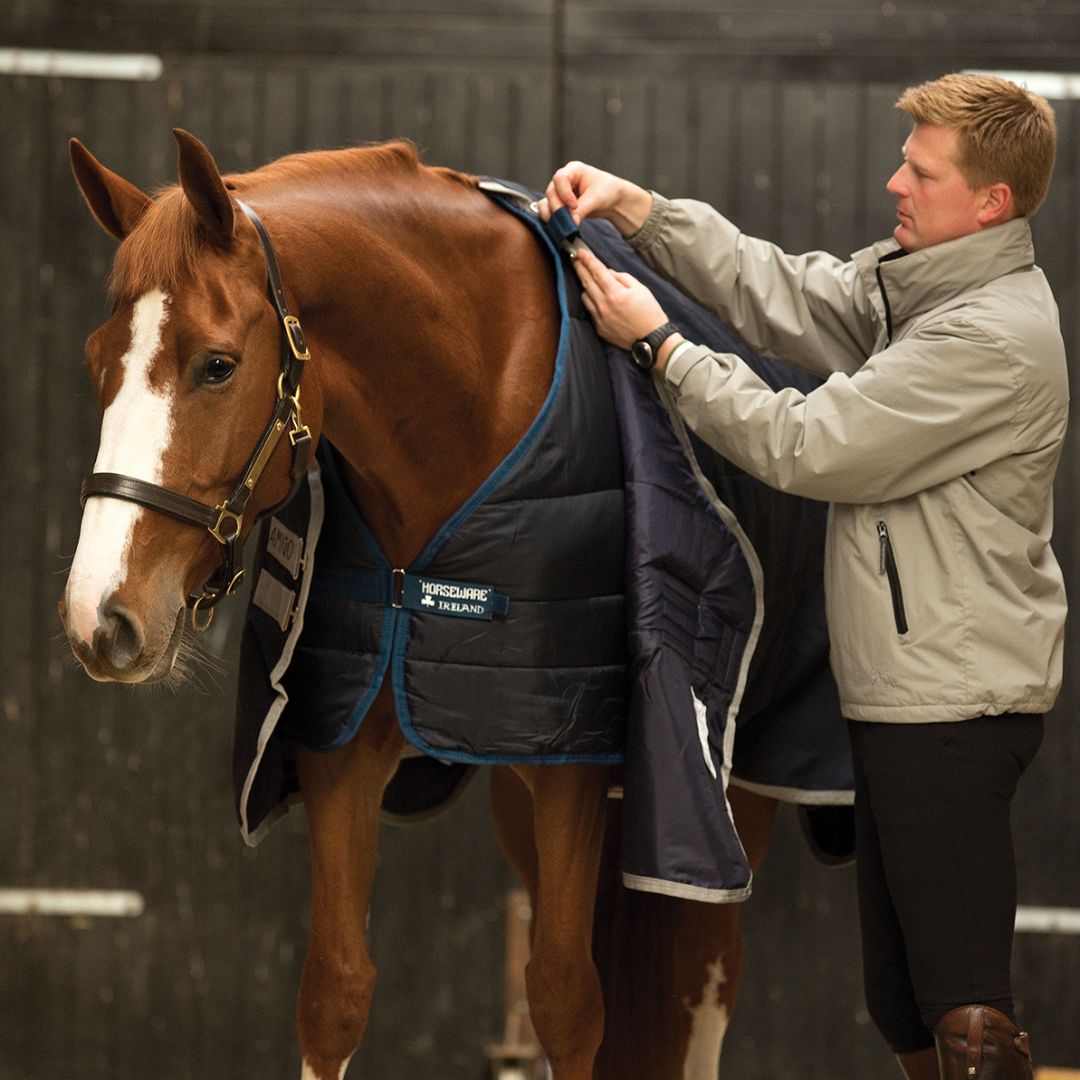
(122, 636)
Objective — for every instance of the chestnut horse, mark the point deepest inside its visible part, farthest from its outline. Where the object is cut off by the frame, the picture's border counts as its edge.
(396, 268)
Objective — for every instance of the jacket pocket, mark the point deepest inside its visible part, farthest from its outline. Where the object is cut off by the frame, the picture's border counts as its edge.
(887, 565)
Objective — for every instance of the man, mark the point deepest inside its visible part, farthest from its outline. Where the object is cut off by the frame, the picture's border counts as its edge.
(935, 437)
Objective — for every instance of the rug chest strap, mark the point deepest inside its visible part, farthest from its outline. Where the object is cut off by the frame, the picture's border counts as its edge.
(414, 592)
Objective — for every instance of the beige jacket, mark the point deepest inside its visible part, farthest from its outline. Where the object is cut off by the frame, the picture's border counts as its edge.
(935, 437)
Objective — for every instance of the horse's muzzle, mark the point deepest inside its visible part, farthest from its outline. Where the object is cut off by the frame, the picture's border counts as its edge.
(119, 651)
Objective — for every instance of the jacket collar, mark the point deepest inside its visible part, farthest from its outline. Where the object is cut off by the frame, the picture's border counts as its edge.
(921, 280)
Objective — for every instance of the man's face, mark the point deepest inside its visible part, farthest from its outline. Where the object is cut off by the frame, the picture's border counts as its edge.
(933, 200)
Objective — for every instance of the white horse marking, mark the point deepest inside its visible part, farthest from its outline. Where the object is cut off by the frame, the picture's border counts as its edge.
(309, 1073)
(135, 433)
(708, 1025)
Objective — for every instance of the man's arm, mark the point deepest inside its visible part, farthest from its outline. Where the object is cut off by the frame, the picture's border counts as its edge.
(808, 310)
(916, 415)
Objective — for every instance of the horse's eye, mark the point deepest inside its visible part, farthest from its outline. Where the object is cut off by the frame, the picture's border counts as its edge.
(218, 369)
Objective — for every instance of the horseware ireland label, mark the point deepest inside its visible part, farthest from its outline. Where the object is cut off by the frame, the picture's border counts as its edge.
(285, 546)
(460, 598)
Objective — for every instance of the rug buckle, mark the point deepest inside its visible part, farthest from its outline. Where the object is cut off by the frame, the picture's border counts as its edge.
(397, 588)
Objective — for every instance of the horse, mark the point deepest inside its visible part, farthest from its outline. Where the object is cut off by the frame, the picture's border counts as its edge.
(369, 245)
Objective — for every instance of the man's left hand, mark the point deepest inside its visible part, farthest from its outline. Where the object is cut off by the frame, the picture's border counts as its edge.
(622, 308)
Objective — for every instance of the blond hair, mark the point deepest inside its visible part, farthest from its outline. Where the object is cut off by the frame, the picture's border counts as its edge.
(1007, 133)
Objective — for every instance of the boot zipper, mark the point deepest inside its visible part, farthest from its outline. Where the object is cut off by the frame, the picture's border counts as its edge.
(887, 565)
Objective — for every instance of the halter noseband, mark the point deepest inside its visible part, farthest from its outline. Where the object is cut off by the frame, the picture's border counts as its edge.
(225, 521)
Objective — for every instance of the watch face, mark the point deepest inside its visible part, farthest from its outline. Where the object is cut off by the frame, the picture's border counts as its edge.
(642, 353)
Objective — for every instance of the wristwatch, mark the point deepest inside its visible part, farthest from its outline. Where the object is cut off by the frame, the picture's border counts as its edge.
(643, 351)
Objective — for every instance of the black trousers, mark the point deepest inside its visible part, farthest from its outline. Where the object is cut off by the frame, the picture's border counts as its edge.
(935, 866)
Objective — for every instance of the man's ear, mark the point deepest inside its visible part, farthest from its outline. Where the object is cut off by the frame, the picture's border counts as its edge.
(997, 205)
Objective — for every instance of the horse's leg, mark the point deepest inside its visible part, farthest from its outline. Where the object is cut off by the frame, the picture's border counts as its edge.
(565, 1000)
(671, 967)
(342, 792)
(512, 816)
(712, 935)
(754, 816)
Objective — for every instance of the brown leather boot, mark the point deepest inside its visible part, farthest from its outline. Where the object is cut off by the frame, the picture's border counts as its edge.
(920, 1064)
(976, 1042)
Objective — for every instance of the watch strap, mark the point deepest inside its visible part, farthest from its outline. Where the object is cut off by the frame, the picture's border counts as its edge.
(660, 335)
(644, 350)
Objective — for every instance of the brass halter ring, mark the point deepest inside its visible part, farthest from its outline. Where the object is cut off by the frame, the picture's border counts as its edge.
(195, 625)
(201, 628)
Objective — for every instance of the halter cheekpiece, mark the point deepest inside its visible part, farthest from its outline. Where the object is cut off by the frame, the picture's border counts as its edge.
(225, 521)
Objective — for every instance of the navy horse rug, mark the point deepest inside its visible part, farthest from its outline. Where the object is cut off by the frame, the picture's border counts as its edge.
(614, 592)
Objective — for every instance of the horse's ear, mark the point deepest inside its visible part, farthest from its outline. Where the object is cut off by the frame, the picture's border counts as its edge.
(202, 184)
(115, 202)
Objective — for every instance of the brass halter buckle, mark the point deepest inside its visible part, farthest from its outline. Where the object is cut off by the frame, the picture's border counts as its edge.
(294, 334)
(226, 515)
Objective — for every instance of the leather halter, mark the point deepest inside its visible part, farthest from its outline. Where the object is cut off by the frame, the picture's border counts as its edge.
(225, 521)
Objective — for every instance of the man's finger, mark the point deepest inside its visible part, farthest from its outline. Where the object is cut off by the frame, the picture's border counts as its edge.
(564, 182)
(587, 259)
(589, 268)
(592, 291)
(599, 280)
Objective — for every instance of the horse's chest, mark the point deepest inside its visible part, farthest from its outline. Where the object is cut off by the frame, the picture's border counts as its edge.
(504, 642)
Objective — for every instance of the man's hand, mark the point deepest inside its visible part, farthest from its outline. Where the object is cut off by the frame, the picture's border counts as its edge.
(622, 308)
(590, 192)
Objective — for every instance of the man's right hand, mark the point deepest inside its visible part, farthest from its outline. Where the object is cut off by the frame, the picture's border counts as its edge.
(590, 192)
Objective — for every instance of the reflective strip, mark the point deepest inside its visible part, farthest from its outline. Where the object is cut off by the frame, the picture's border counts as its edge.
(1047, 920)
(701, 716)
(274, 598)
(109, 903)
(59, 63)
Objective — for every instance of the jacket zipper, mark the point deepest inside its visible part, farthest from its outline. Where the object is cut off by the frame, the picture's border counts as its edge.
(885, 292)
(885, 301)
(887, 565)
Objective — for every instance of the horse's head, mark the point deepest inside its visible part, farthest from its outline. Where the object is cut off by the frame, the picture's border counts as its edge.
(187, 371)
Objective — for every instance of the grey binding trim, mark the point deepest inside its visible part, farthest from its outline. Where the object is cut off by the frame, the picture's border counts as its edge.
(797, 796)
(686, 892)
(252, 839)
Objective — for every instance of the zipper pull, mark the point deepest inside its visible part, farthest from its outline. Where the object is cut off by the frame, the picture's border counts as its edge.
(883, 541)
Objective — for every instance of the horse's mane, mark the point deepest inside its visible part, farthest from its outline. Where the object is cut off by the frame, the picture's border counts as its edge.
(162, 250)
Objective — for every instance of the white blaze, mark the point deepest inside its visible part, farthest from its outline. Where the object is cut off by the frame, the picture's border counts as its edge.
(135, 434)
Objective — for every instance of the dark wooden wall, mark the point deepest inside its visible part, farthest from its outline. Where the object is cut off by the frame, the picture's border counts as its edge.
(780, 114)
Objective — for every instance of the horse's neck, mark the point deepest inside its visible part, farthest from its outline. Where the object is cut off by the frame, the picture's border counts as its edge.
(434, 328)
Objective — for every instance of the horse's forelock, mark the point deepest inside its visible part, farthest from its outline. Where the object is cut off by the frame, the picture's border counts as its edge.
(162, 249)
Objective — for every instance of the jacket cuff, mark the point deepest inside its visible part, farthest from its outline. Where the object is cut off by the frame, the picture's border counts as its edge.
(649, 233)
(677, 369)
